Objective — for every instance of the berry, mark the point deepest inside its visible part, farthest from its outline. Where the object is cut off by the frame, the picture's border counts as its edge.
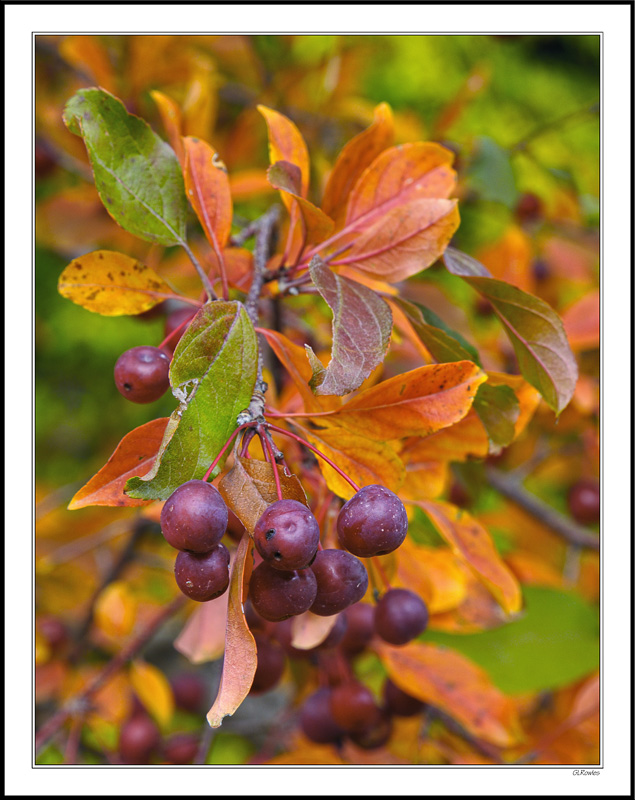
(142, 374)
(138, 739)
(55, 633)
(584, 501)
(283, 633)
(540, 270)
(203, 576)
(277, 594)
(335, 635)
(400, 616)
(190, 692)
(316, 719)
(398, 702)
(341, 581)
(529, 207)
(271, 664)
(373, 522)
(194, 517)
(375, 735)
(360, 628)
(353, 707)
(181, 749)
(287, 535)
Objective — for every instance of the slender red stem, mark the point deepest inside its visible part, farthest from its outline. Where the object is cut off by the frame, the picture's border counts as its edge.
(268, 451)
(225, 446)
(316, 451)
(174, 332)
(244, 453)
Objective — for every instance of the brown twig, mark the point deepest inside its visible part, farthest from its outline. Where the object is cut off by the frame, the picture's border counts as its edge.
(81, 702)
(569, 530)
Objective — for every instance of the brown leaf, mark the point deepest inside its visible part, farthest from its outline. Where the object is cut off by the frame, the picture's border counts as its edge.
(203, 636)
(286, 144)
(447, 680)
(135, 455)
(249, 488)
(240, 662)
(207, 189)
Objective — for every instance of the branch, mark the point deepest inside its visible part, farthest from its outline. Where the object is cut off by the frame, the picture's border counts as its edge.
(211, 294)
(81, 702)
(569, 530)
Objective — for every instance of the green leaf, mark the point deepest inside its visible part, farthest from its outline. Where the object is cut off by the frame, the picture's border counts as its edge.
(498, 409)
(213, 373)
(533, 327)
(444, 344)
(362, 323)
(491, 174)
(555, 643)
(137, 174)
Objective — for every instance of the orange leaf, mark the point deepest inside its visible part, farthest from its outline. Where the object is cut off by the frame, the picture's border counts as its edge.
(286, 144)
(172, 122)
(286, 178)
(247, 183)
(309, 630)
(364, 460)
(424, 479)
(240, 662)
(433, 573)
(88, 55)
(115, 610)
(153, 689)
(135, 455)
(355, 156)
(510, 259)
(581, 322)
(474, 545)
(447, 680)
(207, 188)
(477, 612)
(416, 403)
(203, 636)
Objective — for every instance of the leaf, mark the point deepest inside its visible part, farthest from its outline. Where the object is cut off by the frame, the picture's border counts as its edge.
(432, 573)
(309, 630)
(112, 284)
(172, 122)
(424, 478)
(249, 488)
(214, 370)
(353, 159)
(443, 343)
(365, 461)
(450, 682)
(203, 636)
(472, 543)
(510, 259)
(465, 266)
(136, 451)
(581, 322)
(286, 144)
(362, 324)
(240, 662)
(153, 689)
(207, 189)
(534, 329)
(498, 409)
(491, 174)
(287, 178)
(137, 174)
(415, 403)
(115, 610)
(554, 643)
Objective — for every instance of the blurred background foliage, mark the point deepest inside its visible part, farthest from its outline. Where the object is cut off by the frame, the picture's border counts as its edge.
(521, 115)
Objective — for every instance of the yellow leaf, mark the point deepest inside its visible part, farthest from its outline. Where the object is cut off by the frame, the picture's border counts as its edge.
(115, 610)
(153, 689)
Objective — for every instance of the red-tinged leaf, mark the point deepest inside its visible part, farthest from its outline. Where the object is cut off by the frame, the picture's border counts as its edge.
(240, 662)
(239, 268)
(416, 403)
(581, 322)
(287, 178)
(207, 189)
(450, 682)
(362, 323)
(203, 636)
(405, 240)
(365, 461)
(309, 630)
(510, 259)
(469, 540)
(355, 156)
(534, 329)
(135, 455)
(396, 178)
(172, 122)
(286, 144)
(435, 574)
(249, 488)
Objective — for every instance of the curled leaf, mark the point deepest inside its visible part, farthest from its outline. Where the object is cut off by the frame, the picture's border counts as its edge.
(287, 178)
(286, 144)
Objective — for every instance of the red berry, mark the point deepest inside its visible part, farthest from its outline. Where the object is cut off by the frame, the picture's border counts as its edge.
(194, 517)
(287, 535)
(376, 735)
(353, 707)
(316, 719)
(400, 616)
(139, 738)
(398, 702)
(341, 581)
(181, 749)
(203, 576)
(277, 594)
(373, 522)
(584, 501)
(190, 692)
(142, 374)
(271, 664)
(360, 629)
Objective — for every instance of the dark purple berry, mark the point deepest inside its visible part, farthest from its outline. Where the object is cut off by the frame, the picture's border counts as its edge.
(376, 735)
(181, 749)
(360, 629)
(277, 594)
(203, 576)
(271, 664)
(316, 719)
(398, 702)
(190, 692)
(373, 522)
(141, 374)
(287, 535)
(194, 517)
(139, 738)
(353, 707)
(341, 581)
(400, 616)
(584, 501)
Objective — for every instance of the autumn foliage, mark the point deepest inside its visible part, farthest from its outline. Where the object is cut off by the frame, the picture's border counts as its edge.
(330, 327)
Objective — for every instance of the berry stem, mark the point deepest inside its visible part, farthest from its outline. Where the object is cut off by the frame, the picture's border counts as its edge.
(225, 446)
(268, 451)
(316, 451)
(174, 332)
(244, 453)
